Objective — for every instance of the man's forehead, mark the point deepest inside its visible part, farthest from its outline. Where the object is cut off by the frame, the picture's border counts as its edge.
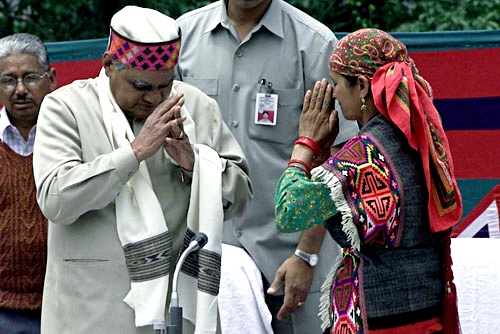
(19, 63)
(153, 78)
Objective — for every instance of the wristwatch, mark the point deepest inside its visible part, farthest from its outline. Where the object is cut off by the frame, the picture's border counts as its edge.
(310, 259)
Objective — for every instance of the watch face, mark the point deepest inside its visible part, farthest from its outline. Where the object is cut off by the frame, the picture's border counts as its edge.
(313, 260)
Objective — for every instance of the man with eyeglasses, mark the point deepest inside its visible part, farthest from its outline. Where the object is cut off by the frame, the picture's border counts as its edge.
(25, 78)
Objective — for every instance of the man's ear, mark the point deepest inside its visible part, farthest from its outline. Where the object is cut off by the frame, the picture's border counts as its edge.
(52, 78)
(107, 60)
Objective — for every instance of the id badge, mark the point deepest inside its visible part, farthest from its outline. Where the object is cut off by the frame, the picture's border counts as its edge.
(266, 109)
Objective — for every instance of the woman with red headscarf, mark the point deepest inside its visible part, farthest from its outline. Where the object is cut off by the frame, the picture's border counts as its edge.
(389, 197)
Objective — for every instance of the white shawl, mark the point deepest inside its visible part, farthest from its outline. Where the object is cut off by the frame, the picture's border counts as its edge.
(144, 234)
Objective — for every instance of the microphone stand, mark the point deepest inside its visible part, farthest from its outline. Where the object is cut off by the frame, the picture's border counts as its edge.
(159, 327)
(175, 327)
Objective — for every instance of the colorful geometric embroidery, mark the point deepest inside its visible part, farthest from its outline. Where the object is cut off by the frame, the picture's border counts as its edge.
(145, 57)
(373, 190)
(345, 296)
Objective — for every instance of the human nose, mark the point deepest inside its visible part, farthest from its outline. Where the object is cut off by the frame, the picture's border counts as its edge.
(20, 87)
(154, 96)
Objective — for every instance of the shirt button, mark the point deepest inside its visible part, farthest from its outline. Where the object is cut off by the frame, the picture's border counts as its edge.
(237, 233)
(239, 53)
(235, 123)
(236, 87)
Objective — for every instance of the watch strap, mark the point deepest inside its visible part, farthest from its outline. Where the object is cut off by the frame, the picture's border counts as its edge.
(307, 257)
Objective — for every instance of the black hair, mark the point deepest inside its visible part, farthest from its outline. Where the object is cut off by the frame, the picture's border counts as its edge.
(351, 79)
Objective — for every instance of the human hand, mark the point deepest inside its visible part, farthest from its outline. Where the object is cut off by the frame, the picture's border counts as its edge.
(157, 127)
(319, 119)
(177, 142)
(297, 277)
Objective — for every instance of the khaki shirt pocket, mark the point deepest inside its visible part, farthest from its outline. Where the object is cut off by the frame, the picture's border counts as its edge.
(209, 86)
(287, 120)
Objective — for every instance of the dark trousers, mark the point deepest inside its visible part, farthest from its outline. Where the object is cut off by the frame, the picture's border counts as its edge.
(19, 322)
(274, 304)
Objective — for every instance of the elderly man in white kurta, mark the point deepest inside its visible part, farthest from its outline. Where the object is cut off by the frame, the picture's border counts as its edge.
(128, 166)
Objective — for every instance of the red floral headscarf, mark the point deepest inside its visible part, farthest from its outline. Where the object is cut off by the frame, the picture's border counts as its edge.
(364, 51)
(405, 99)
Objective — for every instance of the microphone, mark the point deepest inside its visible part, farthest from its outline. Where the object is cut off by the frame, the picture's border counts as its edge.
(198, 241)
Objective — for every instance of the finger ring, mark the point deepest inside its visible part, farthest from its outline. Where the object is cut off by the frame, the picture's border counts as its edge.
(181, 134)
(299, 304)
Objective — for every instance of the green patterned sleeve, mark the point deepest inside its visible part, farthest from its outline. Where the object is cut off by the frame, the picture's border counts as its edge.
(301, 203)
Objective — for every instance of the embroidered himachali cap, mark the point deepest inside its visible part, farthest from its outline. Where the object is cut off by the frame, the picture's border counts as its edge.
(144, 39)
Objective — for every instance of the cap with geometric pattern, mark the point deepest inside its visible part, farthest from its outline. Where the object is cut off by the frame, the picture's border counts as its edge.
(144, 39)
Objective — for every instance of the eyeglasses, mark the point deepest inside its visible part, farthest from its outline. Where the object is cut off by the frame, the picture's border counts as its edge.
(30, 81)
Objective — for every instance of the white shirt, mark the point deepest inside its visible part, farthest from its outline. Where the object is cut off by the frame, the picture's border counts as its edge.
(11, 136)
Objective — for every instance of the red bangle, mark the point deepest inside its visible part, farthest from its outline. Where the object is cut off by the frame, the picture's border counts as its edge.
(302, 168)
(311, 143)
(300, 162)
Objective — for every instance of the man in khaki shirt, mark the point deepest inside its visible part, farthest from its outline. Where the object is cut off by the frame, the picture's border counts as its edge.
(235, 50)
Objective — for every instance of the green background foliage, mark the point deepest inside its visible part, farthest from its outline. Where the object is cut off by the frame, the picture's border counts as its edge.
(65, 20)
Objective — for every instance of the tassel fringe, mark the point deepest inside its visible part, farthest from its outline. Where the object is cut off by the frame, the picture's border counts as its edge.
(338, 198)
(348, 227)
(325, 309)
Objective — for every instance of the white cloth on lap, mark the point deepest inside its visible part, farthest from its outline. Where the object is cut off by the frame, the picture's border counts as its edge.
(242, 292)
(477, 276)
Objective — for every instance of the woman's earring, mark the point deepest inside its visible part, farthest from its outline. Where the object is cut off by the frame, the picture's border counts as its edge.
(363, 104)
